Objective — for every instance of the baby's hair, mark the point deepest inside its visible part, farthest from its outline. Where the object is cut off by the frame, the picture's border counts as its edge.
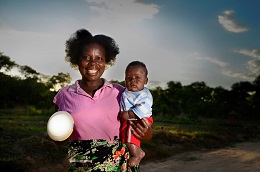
(75, 44)
(138, 64)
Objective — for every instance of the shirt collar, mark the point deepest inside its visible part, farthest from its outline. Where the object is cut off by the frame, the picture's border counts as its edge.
(76, 87)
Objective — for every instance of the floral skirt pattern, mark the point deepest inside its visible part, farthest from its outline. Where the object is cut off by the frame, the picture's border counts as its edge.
(99, 155)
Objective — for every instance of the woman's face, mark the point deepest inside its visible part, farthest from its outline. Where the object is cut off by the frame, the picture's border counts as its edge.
(135, 78)
(92, 62)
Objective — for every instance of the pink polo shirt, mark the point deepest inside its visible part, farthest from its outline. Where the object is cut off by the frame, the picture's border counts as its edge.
(94, 117)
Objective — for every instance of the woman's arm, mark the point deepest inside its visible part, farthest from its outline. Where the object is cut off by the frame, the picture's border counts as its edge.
(56, 107)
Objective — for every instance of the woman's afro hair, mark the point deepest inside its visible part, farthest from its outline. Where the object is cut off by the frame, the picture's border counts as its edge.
(75, 44)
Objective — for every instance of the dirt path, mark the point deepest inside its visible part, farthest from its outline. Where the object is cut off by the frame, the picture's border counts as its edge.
(244, 157)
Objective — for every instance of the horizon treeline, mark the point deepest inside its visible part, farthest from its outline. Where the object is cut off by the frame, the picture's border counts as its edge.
(33, 89)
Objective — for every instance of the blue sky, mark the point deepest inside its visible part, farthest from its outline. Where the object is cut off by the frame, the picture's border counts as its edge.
(179, 40)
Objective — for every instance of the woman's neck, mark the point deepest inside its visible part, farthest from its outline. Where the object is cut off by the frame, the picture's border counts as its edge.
(91, 87)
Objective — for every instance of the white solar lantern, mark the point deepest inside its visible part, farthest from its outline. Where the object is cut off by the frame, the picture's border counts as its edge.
(60, 126)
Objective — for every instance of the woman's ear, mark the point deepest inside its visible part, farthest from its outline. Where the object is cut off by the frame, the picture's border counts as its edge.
(146, 81)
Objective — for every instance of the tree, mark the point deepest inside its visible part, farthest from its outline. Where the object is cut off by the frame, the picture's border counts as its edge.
(196, 99)
(172, 97)
(256, 96)
(220, 106)
(29, 72)
(160, 104)
(58, 81)
(240, 96)
(6, 63)
(7, 95)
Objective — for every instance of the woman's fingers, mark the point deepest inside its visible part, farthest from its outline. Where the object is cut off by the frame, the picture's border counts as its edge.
(139, 128)
(135, 131)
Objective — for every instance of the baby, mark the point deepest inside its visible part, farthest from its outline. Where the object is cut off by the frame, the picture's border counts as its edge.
(136, 103)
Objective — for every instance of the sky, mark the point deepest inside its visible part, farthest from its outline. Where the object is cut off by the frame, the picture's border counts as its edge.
(186, 41)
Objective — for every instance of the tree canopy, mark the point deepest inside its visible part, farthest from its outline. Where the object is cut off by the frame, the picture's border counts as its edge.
(195, 100)
(29, 88)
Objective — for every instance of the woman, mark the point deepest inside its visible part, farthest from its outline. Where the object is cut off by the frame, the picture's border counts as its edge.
(93, 103)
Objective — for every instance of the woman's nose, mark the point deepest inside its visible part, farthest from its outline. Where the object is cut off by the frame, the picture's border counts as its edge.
(92, 61)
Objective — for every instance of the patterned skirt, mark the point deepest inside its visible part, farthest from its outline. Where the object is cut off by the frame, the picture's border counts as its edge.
(99, 155)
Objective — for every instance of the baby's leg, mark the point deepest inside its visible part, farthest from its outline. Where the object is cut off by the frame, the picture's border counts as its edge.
(136, 154)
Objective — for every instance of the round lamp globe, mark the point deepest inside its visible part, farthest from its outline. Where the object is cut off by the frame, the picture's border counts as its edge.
(60, 126)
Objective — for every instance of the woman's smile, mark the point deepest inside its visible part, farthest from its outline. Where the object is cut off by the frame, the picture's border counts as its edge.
(92, 72)
(93, 62)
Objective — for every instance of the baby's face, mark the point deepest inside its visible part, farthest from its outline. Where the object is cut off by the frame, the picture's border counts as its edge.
(135, 78)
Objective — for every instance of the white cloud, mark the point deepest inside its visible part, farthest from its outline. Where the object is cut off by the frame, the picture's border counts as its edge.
(254, 66)
(120, 19)
(228, 12)
(122, 11)
(245, 76)
(216, 61)
(230, 24)
(211, 59)
(255, 53)
(123, 20)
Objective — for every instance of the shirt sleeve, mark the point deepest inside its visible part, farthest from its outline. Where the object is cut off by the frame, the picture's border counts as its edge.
(57, 99)
(143, 107)
(126, 103)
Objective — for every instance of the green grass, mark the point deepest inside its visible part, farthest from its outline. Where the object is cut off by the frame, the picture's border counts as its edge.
(24, 143)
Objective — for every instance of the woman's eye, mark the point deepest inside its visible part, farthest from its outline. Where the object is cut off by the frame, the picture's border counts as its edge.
(86, 58)
(99, 58)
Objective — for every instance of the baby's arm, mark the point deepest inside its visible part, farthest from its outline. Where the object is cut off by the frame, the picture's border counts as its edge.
(143, 104)
(143, 108)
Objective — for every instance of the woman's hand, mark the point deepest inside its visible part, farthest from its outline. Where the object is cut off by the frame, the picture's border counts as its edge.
(124, 116)
(141, 129)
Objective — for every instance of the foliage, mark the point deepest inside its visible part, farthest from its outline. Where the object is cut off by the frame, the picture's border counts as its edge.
(29, 72)
(30, 88)
(24, 92)
(59, 81)
(6, 63)
(195, 100)
(199, 100)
